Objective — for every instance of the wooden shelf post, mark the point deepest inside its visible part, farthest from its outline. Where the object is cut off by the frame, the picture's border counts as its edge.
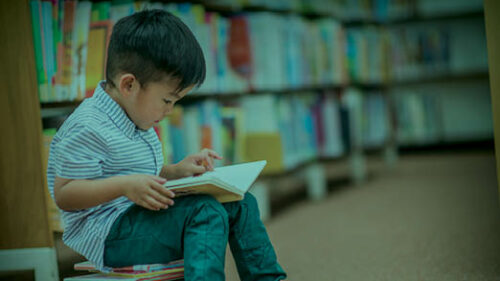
(26, 241)
(492, 21)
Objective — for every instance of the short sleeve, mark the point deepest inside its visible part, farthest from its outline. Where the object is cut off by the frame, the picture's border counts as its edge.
(80, 153)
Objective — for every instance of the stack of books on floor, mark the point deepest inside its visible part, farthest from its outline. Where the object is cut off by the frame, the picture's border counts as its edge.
(148, 272)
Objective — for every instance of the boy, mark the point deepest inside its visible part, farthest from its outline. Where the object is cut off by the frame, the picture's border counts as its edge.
(105, 160)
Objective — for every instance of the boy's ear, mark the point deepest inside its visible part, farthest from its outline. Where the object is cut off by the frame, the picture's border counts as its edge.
(128, 85)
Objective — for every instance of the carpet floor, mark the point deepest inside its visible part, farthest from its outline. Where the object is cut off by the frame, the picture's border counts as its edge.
(431, 217)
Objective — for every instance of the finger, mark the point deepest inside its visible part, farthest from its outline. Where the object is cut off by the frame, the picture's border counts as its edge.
(163, 191)
(146, 205)
(214, 154)
(209, 163)
(206, 162)
(166, 201)
(198, 158)
(159, 179)
(153, 203)
(198, 169)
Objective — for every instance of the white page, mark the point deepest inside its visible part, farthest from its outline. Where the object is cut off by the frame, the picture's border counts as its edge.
(240, 176)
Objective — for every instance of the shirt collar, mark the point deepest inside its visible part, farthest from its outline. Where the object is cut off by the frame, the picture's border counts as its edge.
(115, 112)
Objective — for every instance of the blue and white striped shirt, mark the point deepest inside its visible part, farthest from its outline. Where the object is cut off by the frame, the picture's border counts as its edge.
(99, 141)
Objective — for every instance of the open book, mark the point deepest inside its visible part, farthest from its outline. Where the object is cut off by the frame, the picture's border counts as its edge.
(226, 184)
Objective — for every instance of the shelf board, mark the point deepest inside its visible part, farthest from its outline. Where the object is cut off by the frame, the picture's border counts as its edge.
(230, 10)
(446, 78)
(416, 18)
(56, 111)
(480, 144)
(367, 86)
(60, 104)
(232, 95)
(219, 96)
(439, 17)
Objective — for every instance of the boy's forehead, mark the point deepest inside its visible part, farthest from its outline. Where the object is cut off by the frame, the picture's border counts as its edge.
(164, 85)
(170, 83)
(171, 86)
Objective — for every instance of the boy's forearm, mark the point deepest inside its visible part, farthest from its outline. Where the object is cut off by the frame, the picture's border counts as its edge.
(82, 194)
(169, 172)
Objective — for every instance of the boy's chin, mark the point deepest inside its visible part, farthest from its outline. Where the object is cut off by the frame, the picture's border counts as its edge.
(144, 127)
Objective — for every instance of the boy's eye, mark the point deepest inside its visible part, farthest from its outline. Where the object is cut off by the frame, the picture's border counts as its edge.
(167, 101)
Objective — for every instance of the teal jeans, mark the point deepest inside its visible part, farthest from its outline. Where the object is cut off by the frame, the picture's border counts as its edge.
(197, 229)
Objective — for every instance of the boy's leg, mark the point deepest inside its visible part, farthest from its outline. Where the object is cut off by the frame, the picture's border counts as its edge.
(195, 228)
(253, 252)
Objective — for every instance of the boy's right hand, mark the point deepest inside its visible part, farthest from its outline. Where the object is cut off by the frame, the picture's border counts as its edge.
(148, 191)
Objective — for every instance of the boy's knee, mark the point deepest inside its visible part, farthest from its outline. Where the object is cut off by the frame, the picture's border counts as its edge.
(203, 200)
(250, 202)
(206, 207)
(248, 208)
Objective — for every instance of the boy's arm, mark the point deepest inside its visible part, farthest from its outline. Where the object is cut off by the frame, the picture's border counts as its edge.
(144, 190)
(169, 172)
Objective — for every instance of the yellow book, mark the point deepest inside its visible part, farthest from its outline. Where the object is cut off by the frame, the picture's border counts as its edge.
(226, 184)
(98, 40)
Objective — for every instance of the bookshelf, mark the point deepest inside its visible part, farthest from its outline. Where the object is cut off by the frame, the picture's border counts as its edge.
(364, 85)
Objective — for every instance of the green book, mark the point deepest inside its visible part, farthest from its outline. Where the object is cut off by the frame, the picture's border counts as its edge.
(37, 42)
(100, 11)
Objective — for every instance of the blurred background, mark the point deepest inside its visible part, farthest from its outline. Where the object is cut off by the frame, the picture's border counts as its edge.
(375, 118)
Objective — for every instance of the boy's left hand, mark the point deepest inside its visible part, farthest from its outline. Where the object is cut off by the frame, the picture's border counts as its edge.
(198, 163)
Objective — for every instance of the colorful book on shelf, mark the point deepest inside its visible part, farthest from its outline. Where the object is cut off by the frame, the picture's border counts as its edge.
(98, 40)
(239, 49)
(171, 271)
(100, 11)
(191, 130)
(120, 9)
(163, 131)
(231, 134)
(36, 20)
(176, 139)
(64, 75)
(79, 49)
(211, 125)
(226, 184)
(49, 54)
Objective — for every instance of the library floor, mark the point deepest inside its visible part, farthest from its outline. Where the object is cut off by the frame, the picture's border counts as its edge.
(432, 217)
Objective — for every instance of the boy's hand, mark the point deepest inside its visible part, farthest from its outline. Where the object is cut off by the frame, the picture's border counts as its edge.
(148, 191)
(198, 163)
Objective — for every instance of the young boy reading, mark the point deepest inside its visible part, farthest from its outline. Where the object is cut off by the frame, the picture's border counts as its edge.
(106, 169)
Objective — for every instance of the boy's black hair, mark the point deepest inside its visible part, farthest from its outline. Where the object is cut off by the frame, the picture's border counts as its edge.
(154, 44)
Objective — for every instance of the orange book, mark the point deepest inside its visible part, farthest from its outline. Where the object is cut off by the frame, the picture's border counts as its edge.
(67, 54)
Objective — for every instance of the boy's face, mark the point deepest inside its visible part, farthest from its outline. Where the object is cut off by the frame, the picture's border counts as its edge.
(148, 105)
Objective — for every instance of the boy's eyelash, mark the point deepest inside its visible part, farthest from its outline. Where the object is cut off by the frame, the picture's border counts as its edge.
(167, 101)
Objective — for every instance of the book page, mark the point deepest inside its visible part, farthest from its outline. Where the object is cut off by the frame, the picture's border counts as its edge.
(240, 176)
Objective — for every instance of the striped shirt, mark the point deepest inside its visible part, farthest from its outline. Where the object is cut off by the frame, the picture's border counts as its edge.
(99, 141)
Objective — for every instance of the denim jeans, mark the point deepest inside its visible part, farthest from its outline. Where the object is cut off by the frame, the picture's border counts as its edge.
(197, 228)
